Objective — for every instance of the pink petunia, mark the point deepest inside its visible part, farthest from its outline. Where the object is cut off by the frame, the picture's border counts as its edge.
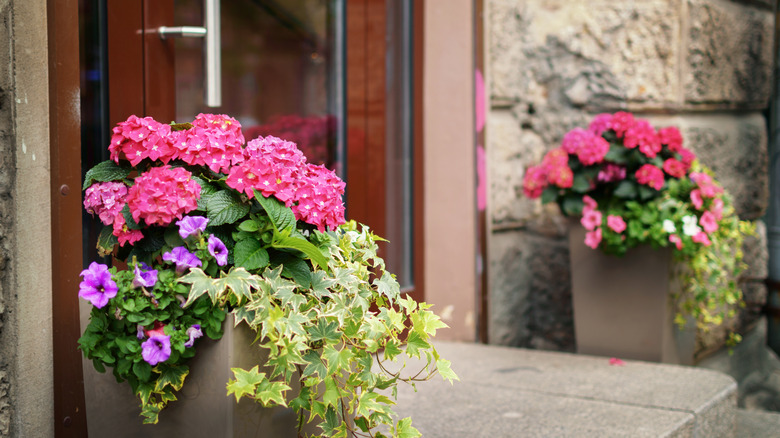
(676, 240)
(593, 238)
(717, 208)
(616, 223)
(702, 238)
(696, 199)
(591, 219)
(589, 204)
(708, 222)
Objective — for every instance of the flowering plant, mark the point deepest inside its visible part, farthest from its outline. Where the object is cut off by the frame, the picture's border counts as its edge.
(631, 184)
(207, 225)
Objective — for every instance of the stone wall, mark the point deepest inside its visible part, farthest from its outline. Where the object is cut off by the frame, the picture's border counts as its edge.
(7, 241)
(703, 65)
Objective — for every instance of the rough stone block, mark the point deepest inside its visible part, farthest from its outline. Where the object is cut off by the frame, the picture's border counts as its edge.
(561, 51)
(729, 54)
(530, 303)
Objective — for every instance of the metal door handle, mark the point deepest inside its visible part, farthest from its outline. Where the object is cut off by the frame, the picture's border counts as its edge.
(212, 49)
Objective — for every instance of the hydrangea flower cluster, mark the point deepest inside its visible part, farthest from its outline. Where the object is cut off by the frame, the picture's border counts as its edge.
(106, 200)
(138, 138)
(620, 166)
(214, 141)
(161, 194)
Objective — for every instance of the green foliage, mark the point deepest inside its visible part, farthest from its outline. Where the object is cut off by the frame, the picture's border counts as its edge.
(104, 172)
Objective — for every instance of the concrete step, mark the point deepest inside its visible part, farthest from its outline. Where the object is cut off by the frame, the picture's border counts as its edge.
(757, 424)
(512, 392)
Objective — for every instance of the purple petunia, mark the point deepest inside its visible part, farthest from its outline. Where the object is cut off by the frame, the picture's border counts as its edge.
(182, 258)
(139, 331)
(156, 349)
(97, 286)
(145, 278)
(218, 250)
(194, 332)
(192, 225)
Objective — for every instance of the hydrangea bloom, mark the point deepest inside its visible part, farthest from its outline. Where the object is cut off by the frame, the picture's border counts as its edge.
(651, 176)
(643, 135)
(105, 199)
(161, 194)
(156, 349)
(593, 151)
(192, 225)
(123, 233)
(214, 141)
(318, 198)
(674, 168)
(611, 172)
(139, 138)
(97, 286)
(272, 167)
(575, 139)
(601, 124)
(671, 137)
(534, 181)
(620, 123)
(218, 250)
(182, 258)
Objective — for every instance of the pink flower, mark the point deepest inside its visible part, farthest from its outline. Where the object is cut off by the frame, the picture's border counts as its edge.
(593, 238)
(105, 199)
(163, 194)
(574, 140)
(589, 204)
(651, 176)
(687, 157)
(708, 222)
(534, 181)
(616, 223)
(139, 138)
(717, 208)
(702, 238)
(616, 362)
(214, 141)
(642, 134)
(591, 219)
(611, 172)
(593, 151)
(272, 167)
(676, 240)
(318, 199)
(123, 233)
(556, 158)
(674, 168)
(600, 124)
(621, 121)
(671, 137)
(561, 176)
(696, 199)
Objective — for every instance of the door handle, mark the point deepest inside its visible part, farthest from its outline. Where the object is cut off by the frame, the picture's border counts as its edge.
(212, 49)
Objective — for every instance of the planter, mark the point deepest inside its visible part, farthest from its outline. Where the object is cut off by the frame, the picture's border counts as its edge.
(202, 409)
(623, 305)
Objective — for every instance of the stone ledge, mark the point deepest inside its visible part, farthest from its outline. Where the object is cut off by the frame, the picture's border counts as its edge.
(507, 392)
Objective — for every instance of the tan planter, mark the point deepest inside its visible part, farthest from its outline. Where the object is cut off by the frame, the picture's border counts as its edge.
(623, 306)
(203, 408)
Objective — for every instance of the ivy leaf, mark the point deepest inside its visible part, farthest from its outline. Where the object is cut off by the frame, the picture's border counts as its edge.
(325, 330)
(331, 395)
(250, 254)
(245, 382)
(314, 365)
(367, 404)
(404, 429)
(225, 207)
(282, 217)
(426, 322)
(387, 285)
(173, 376)
(104, 172)
(444, 367)
(272, 392)
(201, 284)
(415, 343)
(337, 359)
(241, 283)
(320, 284)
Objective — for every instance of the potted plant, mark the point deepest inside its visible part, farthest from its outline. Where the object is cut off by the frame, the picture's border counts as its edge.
(212, 233)
(655, 237)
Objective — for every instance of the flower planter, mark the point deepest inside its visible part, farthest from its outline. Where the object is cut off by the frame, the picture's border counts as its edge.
(623, 306)
(202, 408)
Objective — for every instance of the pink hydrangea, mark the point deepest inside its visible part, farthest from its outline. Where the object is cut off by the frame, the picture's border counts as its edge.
(612, 172)
(593, 151)
(575, 139)
(534, 181)
(214, 141)
(318, 199)
(671, 137)
(561, 176)
(593, 238)
(687, 157)
(139, 138)
(674, 168)
(163, 194)
(642, 134)
(591, 219)
(650, 175)
(272, 166)
(708, 222)
(556, 158)
(105, 199)
(621, 122)
(616, 223)
(123, 233)
(601, 124)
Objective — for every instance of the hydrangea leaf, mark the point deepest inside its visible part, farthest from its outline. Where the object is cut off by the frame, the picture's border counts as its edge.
(281, 216)
(104, 172)
(304, 246)
(225, 207)
(250, 254)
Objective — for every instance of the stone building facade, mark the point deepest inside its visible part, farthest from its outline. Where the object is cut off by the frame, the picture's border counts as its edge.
(705, 66)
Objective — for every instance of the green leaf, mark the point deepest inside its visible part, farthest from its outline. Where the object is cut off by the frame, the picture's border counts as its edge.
(249, 226)
(245, 382)
(225, 207)
(550, 194)
(206, 188)
(172, 237)
(646, 193)
(626, 189)
(304, 246)
(294, 267)
(129, 221)
(415, 343)
(104, 172)
(404, 429)
(325, 330)
(282, 217)
(331, 395)
(201, 284)
(315, 365)
(445, 370)
(572, 205)
(367, 404)
(106, 240)
(142, 370)
(272, 392)
(337, 359)
(241, 283)
(250, 254)
(173, 376)
(580, 184)
(617, 154)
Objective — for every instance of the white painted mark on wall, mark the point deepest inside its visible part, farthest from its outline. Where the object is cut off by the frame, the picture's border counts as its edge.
(446, 313)
(33, 156)
(24, 147)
